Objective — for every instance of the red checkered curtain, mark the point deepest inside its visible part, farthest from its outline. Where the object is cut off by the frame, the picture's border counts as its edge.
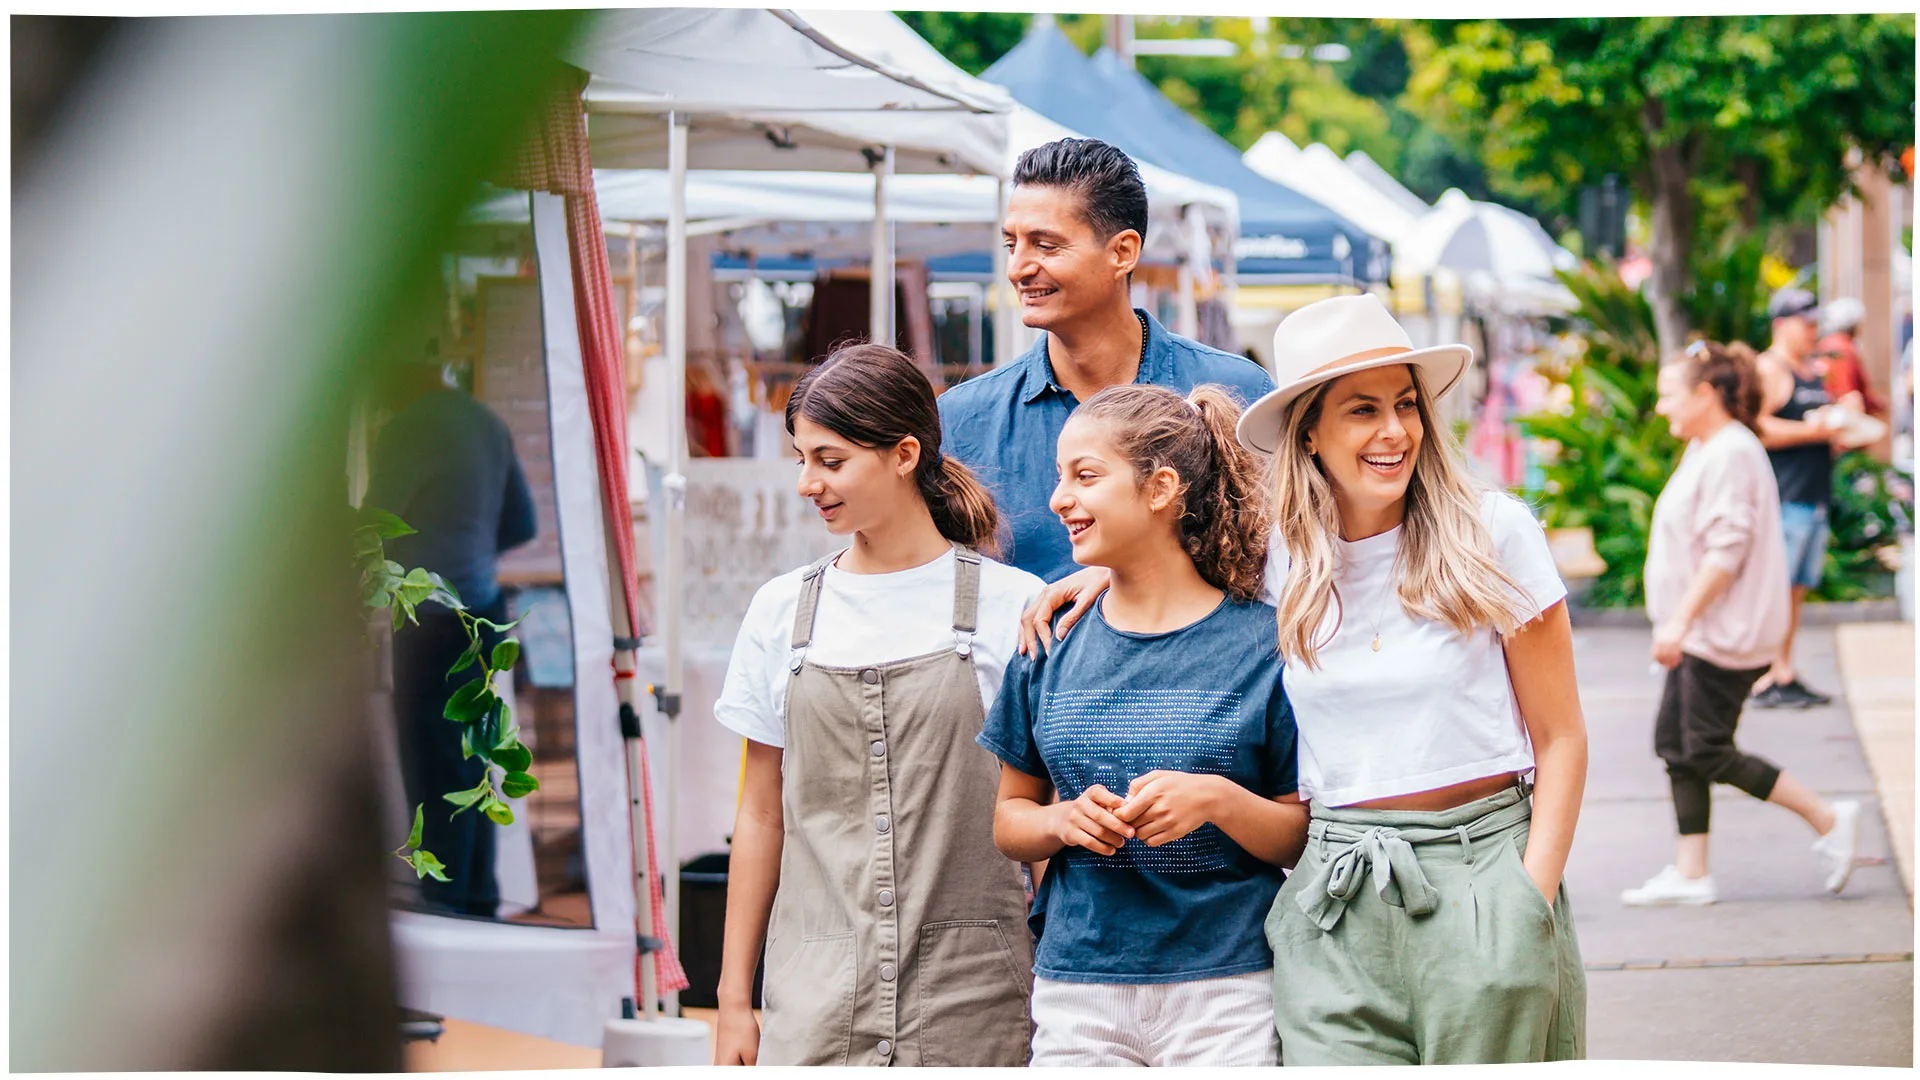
(556, 161)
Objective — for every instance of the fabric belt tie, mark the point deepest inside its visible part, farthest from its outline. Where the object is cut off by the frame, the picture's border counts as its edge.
(1388, 853)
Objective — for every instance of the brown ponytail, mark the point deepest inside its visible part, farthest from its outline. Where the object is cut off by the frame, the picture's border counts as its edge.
(876, 396)
(1224, 523)
(1734, 373)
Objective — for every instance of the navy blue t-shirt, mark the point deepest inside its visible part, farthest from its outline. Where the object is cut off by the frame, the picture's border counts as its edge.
(1107, 706)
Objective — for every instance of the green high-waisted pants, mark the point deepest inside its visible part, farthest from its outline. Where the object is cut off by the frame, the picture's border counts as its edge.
(1410, 938)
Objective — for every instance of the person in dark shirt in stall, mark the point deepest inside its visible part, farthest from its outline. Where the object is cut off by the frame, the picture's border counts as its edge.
(445, 464)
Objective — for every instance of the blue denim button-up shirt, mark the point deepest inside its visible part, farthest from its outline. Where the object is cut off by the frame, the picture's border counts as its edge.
(1004, 426)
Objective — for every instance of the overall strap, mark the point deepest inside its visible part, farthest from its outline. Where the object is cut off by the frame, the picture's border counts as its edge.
(808, 607)
(966, 597)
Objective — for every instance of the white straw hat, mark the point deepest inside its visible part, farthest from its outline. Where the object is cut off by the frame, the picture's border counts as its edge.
(1336, 337)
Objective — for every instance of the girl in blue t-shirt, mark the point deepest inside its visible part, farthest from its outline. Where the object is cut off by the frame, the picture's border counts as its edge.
(1167, 742)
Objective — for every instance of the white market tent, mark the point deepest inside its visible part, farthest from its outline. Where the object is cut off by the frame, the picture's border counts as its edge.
(830, 215)
(668, 81)
(762, 80)
(1189, 222)
(1319, 174)
(1504, 259)
(1384, 182)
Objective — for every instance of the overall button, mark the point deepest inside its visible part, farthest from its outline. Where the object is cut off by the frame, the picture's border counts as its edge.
(885, 1048)
(878, 748)
(886, 897)
(882, 824)
(887, 972)
(870, 676)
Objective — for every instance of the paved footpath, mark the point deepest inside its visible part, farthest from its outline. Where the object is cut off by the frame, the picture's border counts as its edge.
(1778, 970)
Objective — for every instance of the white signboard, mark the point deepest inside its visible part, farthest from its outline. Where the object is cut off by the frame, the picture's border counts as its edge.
(745, 524)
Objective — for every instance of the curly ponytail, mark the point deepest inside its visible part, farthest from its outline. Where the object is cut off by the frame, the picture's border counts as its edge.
(1224, 523)
(876, 396)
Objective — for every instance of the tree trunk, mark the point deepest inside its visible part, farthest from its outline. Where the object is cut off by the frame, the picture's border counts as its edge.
(1668, 167)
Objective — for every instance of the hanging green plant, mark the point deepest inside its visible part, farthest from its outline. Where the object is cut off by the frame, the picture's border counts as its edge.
(489, 734)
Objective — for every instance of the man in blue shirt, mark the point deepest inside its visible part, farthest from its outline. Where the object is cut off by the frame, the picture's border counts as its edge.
(1074, 228)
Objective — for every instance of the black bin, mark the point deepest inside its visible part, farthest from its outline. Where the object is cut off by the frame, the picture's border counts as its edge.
(703, 923)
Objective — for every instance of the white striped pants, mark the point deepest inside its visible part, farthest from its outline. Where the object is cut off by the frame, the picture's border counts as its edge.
(1223, 1021)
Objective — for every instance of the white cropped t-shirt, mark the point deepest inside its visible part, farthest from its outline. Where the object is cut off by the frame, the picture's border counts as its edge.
(1431, 708)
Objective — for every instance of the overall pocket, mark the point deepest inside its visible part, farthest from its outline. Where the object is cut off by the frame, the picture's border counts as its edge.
(808, 1018)
(973, 997)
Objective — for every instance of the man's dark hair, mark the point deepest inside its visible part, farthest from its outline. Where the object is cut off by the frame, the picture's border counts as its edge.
(1112, 195)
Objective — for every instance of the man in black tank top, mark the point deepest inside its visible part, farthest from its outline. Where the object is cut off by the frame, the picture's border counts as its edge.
(1800, 444)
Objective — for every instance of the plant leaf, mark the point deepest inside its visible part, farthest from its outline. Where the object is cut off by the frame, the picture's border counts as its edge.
(386, 524)
(514, 758)
(465, 799)
(497, 626)
(419, 824)
(508, 737)
(469, 703)
(447, 586)
(504, 654)
(467, 659)
(426, 864)
(519, 785)
(499, 813)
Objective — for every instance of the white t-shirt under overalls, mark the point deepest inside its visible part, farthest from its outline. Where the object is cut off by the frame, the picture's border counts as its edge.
(866, 619)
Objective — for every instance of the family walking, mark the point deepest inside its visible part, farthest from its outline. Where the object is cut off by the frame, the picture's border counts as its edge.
(1275, 701)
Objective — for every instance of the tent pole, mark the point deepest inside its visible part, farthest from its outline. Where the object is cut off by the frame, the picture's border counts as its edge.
(881, 290)
(1002, 290)
(1189, 320)
(672, 566)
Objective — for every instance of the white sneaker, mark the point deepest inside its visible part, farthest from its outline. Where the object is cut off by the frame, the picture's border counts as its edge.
(1669, 887)
(1838, 846)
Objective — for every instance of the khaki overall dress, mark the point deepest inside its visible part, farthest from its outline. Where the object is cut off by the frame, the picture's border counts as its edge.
(898, 934)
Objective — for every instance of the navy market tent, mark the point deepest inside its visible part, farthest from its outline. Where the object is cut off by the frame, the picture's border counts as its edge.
(1284, 236)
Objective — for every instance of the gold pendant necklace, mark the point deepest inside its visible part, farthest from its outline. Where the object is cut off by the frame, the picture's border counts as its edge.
(1380, 618)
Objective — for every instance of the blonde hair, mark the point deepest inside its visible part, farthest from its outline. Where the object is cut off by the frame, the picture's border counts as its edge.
(1446, 566)
(1223, 505)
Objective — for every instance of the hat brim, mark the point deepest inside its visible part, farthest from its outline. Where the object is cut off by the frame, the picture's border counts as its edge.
(1441, 367)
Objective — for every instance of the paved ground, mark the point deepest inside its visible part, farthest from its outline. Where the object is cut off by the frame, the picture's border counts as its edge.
(1777, 971)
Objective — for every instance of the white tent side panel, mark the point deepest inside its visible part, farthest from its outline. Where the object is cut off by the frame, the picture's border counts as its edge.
(560, 984)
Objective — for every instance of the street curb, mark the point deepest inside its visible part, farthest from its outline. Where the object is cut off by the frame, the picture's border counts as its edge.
(1697, 963)
(1813, 614)
(1876, 674)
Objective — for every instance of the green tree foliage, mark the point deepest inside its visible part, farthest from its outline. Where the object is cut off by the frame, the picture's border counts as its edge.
(1717, 122)
(1612, 452)
(971, 40)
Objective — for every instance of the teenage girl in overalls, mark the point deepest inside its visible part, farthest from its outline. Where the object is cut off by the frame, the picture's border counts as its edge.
(863, 851)
(1164, 740)
(1430, 668)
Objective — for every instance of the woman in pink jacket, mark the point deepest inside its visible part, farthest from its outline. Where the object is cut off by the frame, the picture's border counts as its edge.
(1717, 594)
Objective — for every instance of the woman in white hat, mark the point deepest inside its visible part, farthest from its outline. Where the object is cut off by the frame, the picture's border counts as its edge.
(1430, 670)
